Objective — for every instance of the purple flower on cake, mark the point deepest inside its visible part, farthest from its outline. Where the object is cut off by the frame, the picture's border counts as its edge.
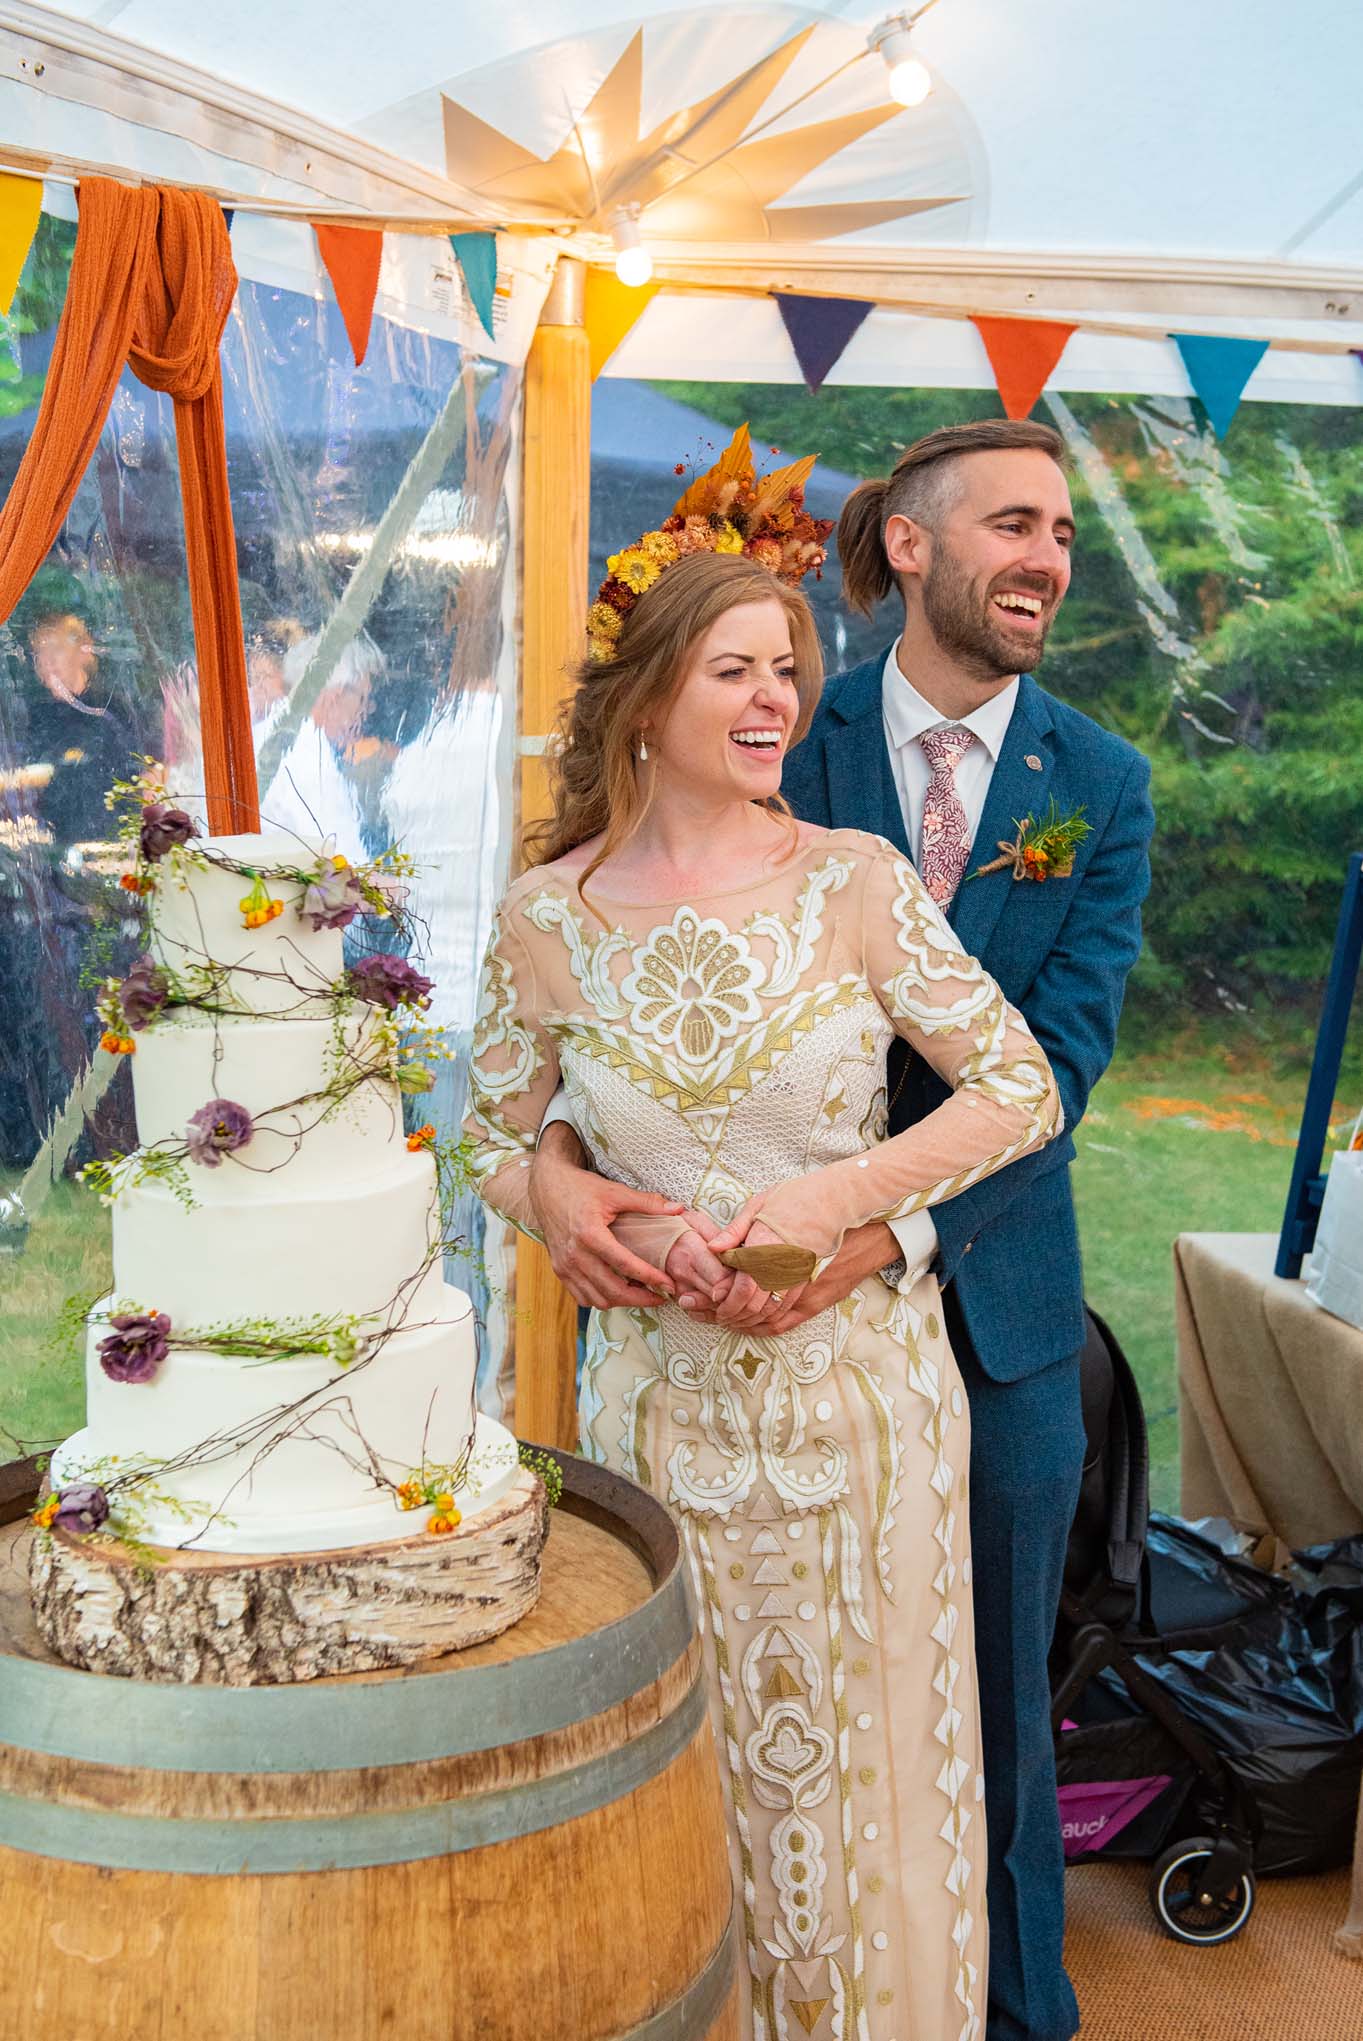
(217, 1129)
(388, 981)
(143, 992)
(333, 896)
(81, 1508)
(135, 1346)
(164, 828)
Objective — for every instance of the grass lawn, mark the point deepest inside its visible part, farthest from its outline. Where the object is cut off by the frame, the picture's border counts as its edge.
(1196, 1136)
(42, 1388)
(1174, 1143)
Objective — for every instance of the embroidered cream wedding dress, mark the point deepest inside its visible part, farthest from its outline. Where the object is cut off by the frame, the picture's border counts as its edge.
(711, 1048)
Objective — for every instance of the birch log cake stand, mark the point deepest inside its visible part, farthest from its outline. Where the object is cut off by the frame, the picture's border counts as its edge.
(237, 1619)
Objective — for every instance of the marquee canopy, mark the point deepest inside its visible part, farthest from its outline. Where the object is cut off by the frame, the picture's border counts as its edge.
(1170, 168)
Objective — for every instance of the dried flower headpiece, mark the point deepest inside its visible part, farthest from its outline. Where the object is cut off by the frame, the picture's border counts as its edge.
(729, 509)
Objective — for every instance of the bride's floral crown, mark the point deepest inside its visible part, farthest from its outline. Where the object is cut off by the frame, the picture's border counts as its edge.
(729, 509)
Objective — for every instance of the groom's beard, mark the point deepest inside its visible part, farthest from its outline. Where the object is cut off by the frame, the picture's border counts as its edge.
(966, 625)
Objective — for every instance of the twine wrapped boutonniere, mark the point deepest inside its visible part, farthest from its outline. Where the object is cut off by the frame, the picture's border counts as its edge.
(1041, 850)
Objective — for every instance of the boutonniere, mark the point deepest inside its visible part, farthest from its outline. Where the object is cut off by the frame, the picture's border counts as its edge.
(1041, 850)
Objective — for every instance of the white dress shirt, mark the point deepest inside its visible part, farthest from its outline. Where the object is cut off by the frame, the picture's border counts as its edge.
(907, 716)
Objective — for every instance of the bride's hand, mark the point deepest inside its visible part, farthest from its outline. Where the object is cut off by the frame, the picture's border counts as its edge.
(710, 1293)
(748, 1307)
(801, 1214)
(700, 1279)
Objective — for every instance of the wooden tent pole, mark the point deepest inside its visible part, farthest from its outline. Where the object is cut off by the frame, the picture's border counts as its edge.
(557, 487)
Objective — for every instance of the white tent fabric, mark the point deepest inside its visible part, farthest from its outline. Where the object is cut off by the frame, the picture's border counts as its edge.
(1193, 168)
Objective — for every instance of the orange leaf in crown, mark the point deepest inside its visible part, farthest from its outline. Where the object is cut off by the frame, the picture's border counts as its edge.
(735, 465)
(773, 492)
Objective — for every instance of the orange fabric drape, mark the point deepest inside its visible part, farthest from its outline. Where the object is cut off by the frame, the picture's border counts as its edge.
(152, 283)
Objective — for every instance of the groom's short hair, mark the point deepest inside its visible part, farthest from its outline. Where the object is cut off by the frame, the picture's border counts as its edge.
(923, 485)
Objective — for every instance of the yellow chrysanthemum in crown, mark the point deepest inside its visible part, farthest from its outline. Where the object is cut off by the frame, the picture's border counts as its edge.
(729, 509)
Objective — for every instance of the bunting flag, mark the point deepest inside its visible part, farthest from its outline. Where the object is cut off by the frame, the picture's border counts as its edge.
(21, 201)
(229, 213)
(352, 256)
(819, 329)
(1218, 370)
(611, 310)
(1022, 353)
(476, 255)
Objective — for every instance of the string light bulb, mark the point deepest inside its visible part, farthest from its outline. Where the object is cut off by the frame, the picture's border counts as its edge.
(633, 263)
(910, 78)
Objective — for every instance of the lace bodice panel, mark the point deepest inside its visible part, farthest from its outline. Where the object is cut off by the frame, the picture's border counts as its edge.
(736, 1044)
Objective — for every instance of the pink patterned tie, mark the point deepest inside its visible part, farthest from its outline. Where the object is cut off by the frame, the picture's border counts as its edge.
(945, 849)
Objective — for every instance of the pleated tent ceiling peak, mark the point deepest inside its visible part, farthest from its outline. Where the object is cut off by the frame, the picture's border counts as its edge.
(693, 175)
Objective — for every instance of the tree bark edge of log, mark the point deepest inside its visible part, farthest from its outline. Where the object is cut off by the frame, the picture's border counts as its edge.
(242, 1619)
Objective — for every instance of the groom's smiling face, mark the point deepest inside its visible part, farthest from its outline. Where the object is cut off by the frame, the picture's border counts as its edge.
(993, 570)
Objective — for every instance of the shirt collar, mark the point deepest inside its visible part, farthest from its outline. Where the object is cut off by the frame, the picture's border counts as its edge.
(908, 714)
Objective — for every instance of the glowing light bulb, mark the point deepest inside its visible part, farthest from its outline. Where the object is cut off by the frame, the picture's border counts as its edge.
(910, 80)
(633, 263)
(634, 266)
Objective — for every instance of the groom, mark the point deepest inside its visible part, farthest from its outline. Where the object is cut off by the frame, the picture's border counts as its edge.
(943, 744)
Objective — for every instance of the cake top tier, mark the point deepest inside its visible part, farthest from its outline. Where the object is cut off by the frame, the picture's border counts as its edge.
(201, 916)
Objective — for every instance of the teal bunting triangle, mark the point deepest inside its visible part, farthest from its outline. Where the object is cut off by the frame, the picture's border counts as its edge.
(476, 255)
(1218, 369)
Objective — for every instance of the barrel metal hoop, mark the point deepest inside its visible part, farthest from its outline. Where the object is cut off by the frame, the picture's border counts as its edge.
(695, 2012)
(137, 1842)
(154, 1726)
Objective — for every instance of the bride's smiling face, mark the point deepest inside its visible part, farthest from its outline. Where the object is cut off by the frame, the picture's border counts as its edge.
(728, 727)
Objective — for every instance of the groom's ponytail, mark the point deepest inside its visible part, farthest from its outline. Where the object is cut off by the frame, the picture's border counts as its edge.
(867, 577)
(921, 486)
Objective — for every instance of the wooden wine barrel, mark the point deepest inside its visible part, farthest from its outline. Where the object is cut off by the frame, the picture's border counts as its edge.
(524, 1839)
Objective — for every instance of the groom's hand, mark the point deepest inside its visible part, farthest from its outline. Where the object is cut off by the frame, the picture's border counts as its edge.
(864, 1251)
(575, 1208)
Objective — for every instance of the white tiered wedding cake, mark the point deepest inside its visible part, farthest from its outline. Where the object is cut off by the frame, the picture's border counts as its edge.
(280, 1366)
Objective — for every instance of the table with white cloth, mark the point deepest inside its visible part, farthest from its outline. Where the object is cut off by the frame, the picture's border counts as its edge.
(1270, 1394)
(1271, 1416)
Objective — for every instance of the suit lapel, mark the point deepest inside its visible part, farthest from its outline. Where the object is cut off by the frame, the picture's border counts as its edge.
(1016, 791)
(861, 788)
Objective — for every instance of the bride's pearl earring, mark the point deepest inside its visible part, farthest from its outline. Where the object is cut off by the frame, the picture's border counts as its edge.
(643, 752)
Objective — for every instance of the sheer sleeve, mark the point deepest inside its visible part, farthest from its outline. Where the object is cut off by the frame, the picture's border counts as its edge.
(512, 1077)
(1004, 1100)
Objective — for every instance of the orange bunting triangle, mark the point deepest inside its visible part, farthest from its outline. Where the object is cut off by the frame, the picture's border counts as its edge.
(1022, 353)
(352, 256)
(21, 201)
(611, 309)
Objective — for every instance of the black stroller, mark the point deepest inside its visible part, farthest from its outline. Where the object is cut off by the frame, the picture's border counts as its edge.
(1206, 1714)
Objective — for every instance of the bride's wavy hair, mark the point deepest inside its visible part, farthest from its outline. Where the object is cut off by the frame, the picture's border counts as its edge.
(599, 787)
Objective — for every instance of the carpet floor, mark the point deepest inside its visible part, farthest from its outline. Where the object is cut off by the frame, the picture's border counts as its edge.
(1281, 1979)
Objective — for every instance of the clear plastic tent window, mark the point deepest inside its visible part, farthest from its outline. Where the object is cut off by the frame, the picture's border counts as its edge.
(376, 550)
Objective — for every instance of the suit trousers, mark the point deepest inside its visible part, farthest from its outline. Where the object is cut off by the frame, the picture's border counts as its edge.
(1026, 1458)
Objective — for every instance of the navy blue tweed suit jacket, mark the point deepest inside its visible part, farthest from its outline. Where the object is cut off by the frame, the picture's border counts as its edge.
(1060, 950)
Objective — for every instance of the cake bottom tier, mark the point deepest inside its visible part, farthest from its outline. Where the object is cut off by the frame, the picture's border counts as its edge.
(295, 1455)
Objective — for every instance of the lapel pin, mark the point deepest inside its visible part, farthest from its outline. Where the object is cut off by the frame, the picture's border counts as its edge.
(1033, 761)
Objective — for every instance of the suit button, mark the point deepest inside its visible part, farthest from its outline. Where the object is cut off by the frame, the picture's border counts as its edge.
(966, 1249)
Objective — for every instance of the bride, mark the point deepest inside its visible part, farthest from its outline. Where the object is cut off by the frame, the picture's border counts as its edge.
(715, 987)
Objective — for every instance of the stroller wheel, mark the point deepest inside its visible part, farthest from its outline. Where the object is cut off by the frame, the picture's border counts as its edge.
(1184, 1907)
